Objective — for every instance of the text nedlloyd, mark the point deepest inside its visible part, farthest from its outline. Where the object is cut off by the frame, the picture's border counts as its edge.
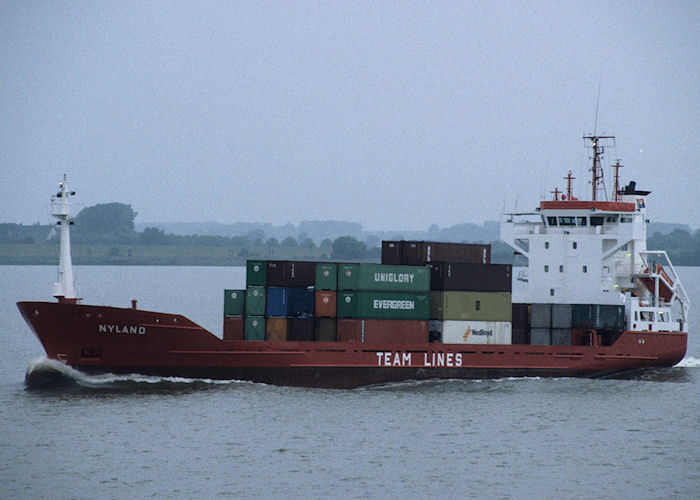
(481, 332)
(393, 277)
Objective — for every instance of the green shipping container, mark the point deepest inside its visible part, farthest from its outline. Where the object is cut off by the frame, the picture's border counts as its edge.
(234, 301)
(256, 273)
(472, 306)
(383, 277)
(383, 305)
(327, 276)
(255, 301)
(254, 328)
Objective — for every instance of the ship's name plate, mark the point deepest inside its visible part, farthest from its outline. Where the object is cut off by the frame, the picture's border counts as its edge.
(134, 330)
(398, 358)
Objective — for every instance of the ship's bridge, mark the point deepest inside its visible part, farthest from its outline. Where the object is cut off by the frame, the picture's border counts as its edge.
(577, 251)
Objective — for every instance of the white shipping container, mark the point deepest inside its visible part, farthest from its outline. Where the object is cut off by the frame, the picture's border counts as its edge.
(473, 332)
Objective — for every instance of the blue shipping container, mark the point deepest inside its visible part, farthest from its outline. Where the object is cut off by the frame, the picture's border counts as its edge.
(290, 302)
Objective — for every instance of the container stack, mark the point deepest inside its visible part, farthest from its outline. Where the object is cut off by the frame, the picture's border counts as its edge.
(234, 309)
(552, 324)
(421, 253)
(470, 303)
(423, 291)
(521, 323)
(326, 301)
(256, 282)
(383, 303)
(290, 300)
(280, 300)
(412, 297)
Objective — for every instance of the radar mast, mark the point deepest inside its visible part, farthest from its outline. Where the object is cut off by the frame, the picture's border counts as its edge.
(597, 181)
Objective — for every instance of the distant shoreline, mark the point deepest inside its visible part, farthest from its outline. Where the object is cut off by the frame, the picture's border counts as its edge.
(26, 254)
(46, 254)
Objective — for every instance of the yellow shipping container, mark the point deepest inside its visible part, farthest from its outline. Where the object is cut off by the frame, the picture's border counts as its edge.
(474, 306)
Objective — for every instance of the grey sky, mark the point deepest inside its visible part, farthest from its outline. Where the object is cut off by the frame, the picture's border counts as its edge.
(393, 114)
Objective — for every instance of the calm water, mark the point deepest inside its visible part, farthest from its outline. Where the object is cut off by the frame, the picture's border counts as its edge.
(138, 437)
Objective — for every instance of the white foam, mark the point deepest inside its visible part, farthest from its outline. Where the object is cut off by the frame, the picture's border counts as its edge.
(51, 365)
(45, 364)
(689, 362)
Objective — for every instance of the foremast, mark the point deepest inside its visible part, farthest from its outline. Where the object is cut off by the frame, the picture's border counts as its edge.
(64, 289)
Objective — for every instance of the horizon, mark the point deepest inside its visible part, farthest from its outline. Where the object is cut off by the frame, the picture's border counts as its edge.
(282, 224)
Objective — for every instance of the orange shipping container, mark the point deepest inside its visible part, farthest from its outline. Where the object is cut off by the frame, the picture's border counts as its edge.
(276, 329)
(326, 301)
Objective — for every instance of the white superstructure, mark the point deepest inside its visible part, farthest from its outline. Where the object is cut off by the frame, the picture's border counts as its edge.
(594, 252)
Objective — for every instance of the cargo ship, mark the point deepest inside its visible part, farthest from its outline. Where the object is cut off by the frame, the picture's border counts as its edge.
(592, 301)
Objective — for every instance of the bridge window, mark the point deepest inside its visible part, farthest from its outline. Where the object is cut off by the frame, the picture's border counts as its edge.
(567, 221)
(581, 221)
(611, 218)
(626, 220)
(552, 221)
(597, 220)
(647, 315)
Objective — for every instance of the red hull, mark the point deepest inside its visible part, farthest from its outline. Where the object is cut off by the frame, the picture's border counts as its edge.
(99, 339)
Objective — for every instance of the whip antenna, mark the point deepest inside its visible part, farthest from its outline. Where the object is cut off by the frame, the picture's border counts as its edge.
(597, 101)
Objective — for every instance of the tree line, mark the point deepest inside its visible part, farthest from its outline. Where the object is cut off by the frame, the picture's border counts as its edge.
(113, 224)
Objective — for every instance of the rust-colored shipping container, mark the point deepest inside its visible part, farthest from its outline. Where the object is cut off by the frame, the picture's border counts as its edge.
(383, 331)
(300, 329)
(399, 331)
(420, 253)
(291, 273)
(276, 329)
(326, 303)
(349, 330)
(325, 329)
(234, 326)
(391, 252)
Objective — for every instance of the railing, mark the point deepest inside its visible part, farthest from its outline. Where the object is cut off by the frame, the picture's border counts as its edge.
(657, 267)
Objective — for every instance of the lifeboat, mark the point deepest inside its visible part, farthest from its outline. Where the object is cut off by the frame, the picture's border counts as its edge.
(666, 284)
